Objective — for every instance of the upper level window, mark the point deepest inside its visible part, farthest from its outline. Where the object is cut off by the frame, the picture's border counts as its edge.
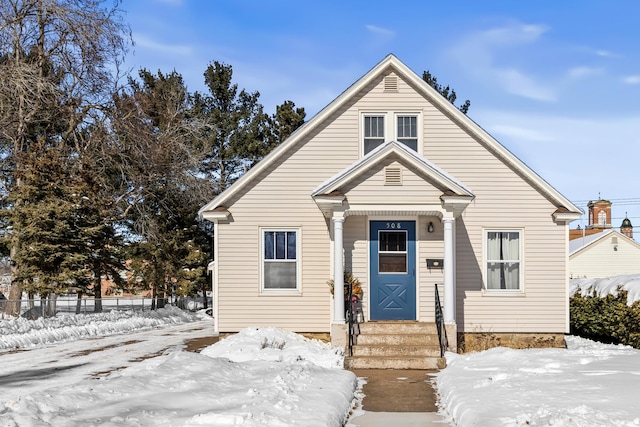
(280, 259)
(408, 131)
(503, 260)
(380, 128)
(602, 218)
(373, 132)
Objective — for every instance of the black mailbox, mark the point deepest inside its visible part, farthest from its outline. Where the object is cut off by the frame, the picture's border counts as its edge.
(435, 263)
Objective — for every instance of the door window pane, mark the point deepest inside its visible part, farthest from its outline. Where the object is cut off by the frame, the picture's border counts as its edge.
(392, 252)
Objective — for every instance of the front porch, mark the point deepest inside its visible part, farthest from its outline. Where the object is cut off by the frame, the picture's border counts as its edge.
(397, 345)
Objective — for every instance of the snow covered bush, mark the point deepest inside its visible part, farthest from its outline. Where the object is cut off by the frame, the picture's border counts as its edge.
(608, 318)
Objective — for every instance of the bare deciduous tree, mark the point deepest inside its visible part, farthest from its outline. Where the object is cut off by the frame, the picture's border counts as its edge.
(57, 62)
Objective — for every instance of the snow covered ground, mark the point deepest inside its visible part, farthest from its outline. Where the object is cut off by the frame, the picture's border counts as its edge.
(587, 385)
(132, 370)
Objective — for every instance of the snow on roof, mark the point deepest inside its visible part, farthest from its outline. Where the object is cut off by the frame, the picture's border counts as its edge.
(577, 244)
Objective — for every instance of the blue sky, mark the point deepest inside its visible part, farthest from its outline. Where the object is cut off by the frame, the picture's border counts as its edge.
(556, 82)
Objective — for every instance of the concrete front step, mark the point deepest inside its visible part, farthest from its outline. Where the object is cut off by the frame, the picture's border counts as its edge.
(397, 339)
(376, 362)
(397, 327)
(396, 345)
(397, 350)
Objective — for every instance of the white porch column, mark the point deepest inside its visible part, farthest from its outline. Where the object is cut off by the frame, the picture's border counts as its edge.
(338, 270)
(449, 264)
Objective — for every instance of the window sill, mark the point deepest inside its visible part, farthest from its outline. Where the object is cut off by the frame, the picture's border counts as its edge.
(280, 293)
(503, 292)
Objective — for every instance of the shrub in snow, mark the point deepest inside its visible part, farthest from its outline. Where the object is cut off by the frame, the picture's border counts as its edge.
(608, 318)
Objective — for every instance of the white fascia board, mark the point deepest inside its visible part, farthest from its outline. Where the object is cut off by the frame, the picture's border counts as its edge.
(566, 217)
(214, 215)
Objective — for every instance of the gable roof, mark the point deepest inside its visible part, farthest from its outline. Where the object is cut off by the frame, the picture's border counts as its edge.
(434, 97)
(443, 179)
(582, 243)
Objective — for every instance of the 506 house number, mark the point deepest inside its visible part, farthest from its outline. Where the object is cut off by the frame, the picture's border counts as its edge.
(394, 225)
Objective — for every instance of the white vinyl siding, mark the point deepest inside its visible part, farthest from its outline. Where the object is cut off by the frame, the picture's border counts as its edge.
(606, 258)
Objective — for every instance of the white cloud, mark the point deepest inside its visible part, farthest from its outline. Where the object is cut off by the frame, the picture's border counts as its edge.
(480, 51)
(632, 80)
(520, 84)
(583, 71)
(520, 133)
(146, 42)
(606, 53)
(513, 34)
(380, 31)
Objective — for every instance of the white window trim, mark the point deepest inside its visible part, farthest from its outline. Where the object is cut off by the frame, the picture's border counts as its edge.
(391, 126)
(298, 288)
(485, 262)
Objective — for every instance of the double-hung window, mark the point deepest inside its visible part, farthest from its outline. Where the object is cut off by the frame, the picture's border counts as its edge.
(382, 127)
(373, 132)
(280, 259)
(503, 260)
(407, 132)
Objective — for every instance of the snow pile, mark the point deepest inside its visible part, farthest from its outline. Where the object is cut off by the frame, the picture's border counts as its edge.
(276, 345)
(22, 333)
(588, 384)
(182, 388)
(608, 285)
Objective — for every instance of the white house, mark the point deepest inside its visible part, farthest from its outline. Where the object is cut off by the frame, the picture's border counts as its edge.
(393, 183)
(604, 254)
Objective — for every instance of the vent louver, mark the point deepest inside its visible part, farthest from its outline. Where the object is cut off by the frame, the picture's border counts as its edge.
(393, 176)
(391, 84)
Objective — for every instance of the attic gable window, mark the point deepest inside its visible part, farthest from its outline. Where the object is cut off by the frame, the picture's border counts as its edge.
(380, 128)
(408, 131)
(373, 132)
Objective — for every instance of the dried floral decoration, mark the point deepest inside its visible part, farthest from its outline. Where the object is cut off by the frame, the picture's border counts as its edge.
(356, 288)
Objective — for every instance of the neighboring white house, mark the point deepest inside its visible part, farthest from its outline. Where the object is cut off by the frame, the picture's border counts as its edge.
(393, 183)
(604, 254)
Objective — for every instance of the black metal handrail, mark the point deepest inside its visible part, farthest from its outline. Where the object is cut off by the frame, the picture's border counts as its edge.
(352, 317)
(442, 331)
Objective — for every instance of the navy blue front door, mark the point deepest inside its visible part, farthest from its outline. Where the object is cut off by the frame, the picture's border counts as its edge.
(392, 249)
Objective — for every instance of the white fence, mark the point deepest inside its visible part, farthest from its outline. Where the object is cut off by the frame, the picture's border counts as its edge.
(37, 307)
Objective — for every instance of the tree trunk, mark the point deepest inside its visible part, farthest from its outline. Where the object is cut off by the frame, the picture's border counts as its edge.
(204, 290)
(154, 295)
(12, 307)
(79, 303)
(52, 299)
(97, 293)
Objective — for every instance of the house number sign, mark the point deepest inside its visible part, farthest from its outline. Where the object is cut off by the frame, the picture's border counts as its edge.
(394, 225)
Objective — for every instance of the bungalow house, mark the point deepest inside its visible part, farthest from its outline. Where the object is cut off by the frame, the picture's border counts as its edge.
(605, 254)
(394, 184)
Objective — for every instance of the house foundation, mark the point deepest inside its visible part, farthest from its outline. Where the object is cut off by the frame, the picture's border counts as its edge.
(479, 341)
